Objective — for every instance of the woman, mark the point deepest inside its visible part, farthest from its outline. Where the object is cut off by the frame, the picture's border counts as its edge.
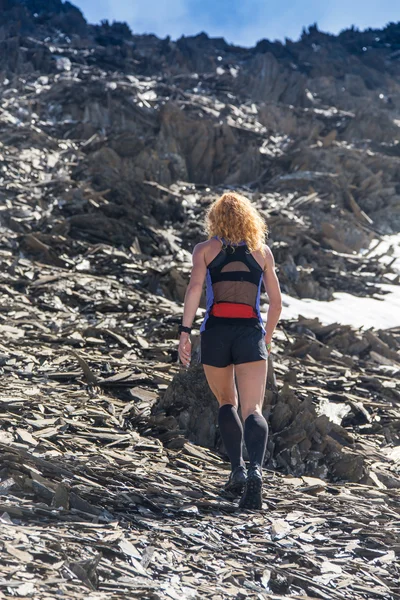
(234, 343)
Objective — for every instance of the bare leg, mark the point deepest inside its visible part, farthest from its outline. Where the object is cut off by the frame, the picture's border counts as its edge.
(222, 384)
(251, 380)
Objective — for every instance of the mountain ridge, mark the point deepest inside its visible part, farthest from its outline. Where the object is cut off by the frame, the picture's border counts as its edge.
(112, 147)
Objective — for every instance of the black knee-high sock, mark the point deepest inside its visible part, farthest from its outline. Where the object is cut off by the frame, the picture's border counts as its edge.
(255, 437)
(231, 430)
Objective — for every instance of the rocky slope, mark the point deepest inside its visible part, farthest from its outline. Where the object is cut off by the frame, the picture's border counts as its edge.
(310, 129)
(112, 145)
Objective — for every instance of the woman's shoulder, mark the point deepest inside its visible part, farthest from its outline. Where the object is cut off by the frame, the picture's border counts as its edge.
(212, 243)
(268, 257)
(209, 249)
(263, 256)
(267, 252)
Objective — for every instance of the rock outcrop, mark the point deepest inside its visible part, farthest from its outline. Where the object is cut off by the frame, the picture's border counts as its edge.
(112, 146)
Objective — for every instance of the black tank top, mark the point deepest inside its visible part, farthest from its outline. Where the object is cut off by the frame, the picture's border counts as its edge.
(233, 276)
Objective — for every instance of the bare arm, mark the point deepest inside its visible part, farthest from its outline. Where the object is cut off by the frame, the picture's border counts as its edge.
(273, 290)
(192, 300)
(195, 287)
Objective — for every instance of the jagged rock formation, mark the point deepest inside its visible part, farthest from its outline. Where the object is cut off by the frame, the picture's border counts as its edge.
(112, 145)
(310, 129)
(305, 437)
(123, 136)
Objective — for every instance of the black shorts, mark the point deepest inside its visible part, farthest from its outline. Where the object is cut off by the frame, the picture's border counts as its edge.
(225, 345)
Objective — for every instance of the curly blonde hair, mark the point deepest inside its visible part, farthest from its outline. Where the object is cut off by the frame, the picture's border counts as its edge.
(234, 219)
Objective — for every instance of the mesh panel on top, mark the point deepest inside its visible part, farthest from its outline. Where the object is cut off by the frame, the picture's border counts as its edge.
(242, 292)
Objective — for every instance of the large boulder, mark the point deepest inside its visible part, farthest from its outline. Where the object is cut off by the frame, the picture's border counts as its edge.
(301, 441)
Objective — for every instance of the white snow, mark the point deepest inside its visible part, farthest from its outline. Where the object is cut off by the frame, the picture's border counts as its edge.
(380, 312)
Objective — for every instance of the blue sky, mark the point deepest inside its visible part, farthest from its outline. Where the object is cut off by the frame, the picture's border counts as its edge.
(243, 22)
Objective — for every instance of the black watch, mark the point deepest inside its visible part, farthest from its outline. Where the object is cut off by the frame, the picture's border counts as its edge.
(183, 329)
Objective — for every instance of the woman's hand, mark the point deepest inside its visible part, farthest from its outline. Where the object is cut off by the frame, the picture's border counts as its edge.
(268, 344)
(185, 349)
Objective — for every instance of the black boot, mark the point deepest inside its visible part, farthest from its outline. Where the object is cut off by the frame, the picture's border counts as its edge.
(237, 481)
(252, 495)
